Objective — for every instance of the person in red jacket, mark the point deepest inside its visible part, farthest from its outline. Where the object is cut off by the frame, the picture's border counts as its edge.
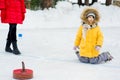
(1, 4)
(13, 13)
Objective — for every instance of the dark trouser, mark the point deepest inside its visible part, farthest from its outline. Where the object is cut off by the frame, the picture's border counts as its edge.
(12, 32)
(12, 38)
(102, 57)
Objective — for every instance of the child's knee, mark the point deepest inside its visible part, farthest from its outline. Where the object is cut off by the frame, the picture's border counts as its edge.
(93, 61)
(84, 60)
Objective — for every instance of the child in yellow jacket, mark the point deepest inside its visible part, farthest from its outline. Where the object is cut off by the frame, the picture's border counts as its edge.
(89, 39)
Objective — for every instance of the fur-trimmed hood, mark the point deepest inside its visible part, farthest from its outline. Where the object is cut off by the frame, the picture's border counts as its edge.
(86, 12)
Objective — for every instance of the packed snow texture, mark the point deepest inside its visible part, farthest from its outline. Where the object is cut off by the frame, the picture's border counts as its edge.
(47, 44)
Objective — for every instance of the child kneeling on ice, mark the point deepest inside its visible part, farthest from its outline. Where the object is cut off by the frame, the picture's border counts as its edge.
(89, 39)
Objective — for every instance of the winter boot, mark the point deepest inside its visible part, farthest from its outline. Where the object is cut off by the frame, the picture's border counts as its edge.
(109, 56)
(7, 48)
(15, 48)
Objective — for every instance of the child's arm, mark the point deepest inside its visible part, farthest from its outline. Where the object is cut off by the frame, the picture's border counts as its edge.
(78, 37)
(100, 38)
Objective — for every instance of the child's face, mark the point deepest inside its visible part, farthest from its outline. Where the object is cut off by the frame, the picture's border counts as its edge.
(90, 19)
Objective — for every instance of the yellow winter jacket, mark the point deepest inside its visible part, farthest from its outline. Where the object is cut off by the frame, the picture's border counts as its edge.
(87, 45)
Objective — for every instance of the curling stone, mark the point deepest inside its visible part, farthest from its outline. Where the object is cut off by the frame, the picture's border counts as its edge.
(22, 73)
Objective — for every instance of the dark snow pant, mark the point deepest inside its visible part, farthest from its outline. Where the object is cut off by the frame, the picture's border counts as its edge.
(102, 57)
(12, 32)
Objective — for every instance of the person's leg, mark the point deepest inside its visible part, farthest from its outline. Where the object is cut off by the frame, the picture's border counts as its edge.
(105, 56)
(109, 56)
(15, 48)
(13, 38)
(8, 43)
(82, 59)
(7, 47)
(95, 60)
(13, 32)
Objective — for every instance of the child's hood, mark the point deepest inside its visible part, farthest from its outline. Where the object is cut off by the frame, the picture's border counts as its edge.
(90, 10)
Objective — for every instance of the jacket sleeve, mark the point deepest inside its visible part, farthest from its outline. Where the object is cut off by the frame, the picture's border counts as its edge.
(78, 37)
(2, 4)
(100, 38)
(23, 7)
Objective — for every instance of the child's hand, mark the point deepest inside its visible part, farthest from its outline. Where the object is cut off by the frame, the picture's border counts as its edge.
(97, 48)
(75, 47)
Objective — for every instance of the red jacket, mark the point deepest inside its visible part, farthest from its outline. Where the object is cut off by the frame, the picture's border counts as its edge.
(2, 4)
(13, 11)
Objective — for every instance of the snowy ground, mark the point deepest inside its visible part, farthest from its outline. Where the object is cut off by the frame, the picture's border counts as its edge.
(48, 52)
(47, 45)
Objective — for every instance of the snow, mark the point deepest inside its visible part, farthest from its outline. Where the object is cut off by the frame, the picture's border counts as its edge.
(47, 41)
(75, 1)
